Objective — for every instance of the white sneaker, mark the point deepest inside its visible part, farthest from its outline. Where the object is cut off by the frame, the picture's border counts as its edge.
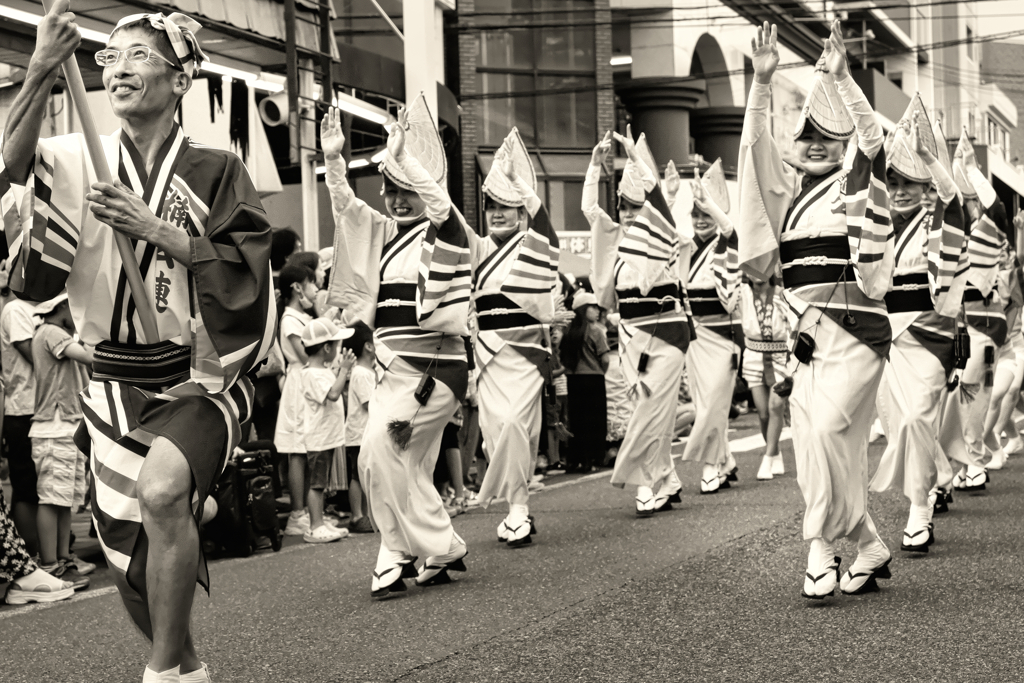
(298, 525)
(324, 534)
(764, 472)
(778, 465)
(38, 586)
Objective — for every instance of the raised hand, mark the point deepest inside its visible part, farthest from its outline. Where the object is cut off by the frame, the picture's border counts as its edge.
(700, 195)
(57, 36)
(332, 138)
(765, 53)
(916, 143)
(627, 143)
(504, 161)
(396, 136)
(672, 180)
(969, 158)
(348, 358)
(835, 53)
(602, 150)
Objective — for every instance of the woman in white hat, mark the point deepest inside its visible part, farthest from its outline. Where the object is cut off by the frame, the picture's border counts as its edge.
(635, 270)
(829, 225)
(516, 271)
(712, 358)
(409, 275)
(924, 301)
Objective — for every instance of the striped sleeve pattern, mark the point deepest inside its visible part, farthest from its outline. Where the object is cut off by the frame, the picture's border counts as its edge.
(445, 279)
(535, 271)
(651, 244)
(983, 253)
(41, 230)
(869, 226)
(946, 266)
(726, 267)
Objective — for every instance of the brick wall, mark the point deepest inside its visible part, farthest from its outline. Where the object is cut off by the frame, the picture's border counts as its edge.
(603, 54)
(468, 47)
(470, 121)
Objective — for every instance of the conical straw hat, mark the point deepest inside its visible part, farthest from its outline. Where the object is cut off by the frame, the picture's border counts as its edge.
(644, 150)
(824, 108)
(423, 143)
(631, 186)
(497, 185)
(959, 171)
(714, 184)
(901, 156)
(943, 147)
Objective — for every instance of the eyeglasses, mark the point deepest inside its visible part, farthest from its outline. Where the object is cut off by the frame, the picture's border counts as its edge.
(139, 54)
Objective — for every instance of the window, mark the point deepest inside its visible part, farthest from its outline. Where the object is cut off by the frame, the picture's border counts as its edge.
(541, 79)
(969, 43)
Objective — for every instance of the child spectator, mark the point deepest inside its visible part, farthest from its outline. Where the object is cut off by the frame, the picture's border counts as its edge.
(324, 417)
(17, 327)
(361, 382)
(60, 366)
(298, 289)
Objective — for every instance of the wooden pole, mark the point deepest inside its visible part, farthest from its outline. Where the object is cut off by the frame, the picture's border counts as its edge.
(76, 88)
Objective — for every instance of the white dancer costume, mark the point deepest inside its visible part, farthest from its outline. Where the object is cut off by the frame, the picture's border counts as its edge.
(712, 288)
(833, 235)
(636, 271)
(515, 274)
(413, 282)
(930, 275)
(986, 318)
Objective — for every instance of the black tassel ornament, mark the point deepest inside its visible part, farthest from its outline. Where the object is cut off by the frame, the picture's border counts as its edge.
(400, 432)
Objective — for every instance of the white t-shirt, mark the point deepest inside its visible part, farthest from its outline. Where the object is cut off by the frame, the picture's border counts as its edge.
(324, 419)
(361, 382)
(17, 325)
(292, 323)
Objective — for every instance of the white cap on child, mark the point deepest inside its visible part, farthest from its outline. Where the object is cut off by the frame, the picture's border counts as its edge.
(321, 330)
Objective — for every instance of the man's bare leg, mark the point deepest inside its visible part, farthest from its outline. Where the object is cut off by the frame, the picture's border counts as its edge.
(164, 491)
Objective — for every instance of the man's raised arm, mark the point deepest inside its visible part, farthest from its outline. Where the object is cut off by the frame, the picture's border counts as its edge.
(57, 38)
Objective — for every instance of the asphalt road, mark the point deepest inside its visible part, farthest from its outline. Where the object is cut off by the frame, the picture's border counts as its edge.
(707, 592)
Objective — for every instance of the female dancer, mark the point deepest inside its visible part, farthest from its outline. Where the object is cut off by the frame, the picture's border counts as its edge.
(409, 274)
(925, 298)
(830, 227)
(765, 357)
(712, 359)
(516, 270)
(635, 267)
(983, 306)
(1009, 371)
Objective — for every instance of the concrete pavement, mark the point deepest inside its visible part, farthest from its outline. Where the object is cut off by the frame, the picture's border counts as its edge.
(706, 592)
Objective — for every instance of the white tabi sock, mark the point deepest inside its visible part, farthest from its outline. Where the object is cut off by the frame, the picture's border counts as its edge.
(169, 676)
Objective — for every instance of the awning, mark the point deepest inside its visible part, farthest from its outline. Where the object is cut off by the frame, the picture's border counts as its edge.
(1006, 173)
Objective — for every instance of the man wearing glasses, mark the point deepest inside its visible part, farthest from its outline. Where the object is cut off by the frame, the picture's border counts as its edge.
(161, 414)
